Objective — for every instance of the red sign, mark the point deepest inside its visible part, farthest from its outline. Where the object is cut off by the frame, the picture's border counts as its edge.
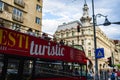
(12, 42)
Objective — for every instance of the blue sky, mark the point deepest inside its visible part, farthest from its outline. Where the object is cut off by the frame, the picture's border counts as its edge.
(56, 12)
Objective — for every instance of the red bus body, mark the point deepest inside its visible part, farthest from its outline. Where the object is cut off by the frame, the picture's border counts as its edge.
(21, 44)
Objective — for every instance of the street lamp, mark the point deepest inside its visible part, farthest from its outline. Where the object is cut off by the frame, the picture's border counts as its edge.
(106, 23)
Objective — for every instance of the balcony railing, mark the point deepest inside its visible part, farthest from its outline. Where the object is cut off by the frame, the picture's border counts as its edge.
(20, 3)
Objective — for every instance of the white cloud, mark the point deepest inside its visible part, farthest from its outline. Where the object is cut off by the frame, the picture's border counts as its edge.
(111, 31)
(67, 13)
(50, 26)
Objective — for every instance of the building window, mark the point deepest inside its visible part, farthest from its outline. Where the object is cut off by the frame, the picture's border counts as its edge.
(89, 43)
(6, 7)
(82, 32)
(89, 52)
(72, 42)
(61, 35)
(38, 8)
(89, 31)
(20, 3)
(82, 42)
(38, 21)
(38, 0)
(72, 33)
(1, 6)
(67, 34)
(17, 12)
(17, 15)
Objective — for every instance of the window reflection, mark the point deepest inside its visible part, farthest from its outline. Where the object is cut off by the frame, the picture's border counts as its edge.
(46, 69)
(27, 71)
(12, 69)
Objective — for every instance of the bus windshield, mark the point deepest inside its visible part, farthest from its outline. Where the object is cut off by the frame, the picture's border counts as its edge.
(79, 47)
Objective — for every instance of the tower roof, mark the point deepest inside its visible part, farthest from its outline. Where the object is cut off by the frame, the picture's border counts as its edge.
(85, 19)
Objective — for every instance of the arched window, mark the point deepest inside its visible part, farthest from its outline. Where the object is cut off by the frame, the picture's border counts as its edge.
(73, 33)
(67, 34)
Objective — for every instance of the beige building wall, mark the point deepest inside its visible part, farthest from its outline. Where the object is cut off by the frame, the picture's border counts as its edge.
(86, 38)
(117, 52)
(21, 13)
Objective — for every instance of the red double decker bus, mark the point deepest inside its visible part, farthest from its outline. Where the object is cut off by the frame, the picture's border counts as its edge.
(26, 57)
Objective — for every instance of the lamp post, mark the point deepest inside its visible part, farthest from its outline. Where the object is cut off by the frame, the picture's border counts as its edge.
(95, 45)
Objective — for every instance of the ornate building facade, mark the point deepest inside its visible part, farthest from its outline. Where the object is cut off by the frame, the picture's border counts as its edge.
(68, 32)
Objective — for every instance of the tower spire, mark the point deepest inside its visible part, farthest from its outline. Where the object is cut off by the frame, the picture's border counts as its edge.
(85, 1)
(85, 19)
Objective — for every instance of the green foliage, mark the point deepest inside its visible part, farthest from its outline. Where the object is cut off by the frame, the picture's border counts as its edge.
(118, 65)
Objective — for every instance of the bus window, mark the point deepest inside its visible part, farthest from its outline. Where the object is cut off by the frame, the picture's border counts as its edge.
(19, 69)
(77, 69)
(1, 65)
(84, 70)
(12, 69)
(68, 68)
(27, 71)
(48, 69)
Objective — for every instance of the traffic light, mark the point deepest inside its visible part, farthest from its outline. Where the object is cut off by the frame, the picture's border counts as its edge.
(109, 61)
(78, 28)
